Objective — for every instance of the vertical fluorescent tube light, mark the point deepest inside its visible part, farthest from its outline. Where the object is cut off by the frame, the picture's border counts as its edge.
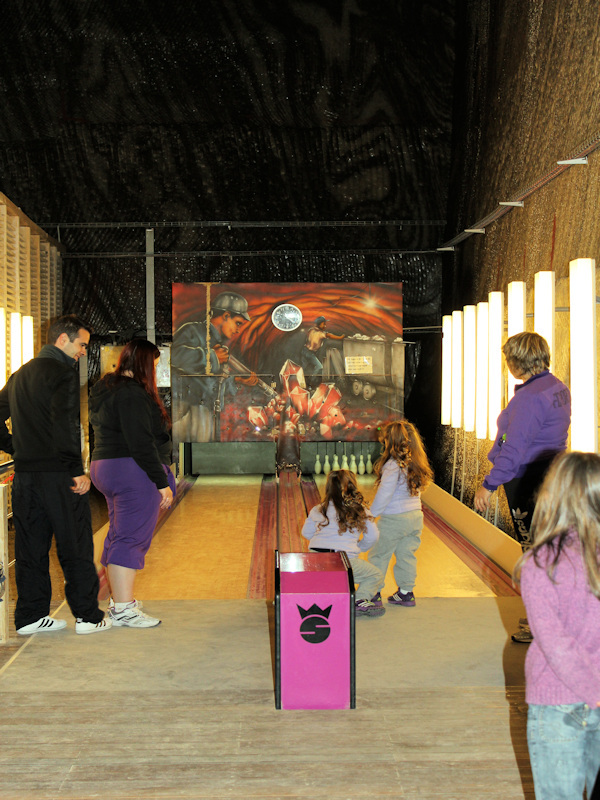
(516, 321)
(543, 307)
(457, 373)
(2, 347)
(495, 332)
(15, 341)
(481, 398)
(584, 382)
(446, 370)
(469, 365)
(27, 332)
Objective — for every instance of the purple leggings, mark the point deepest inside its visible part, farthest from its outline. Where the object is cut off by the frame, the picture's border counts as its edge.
(133, 504)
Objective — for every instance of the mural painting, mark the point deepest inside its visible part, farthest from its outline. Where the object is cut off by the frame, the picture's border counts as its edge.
(321, 361)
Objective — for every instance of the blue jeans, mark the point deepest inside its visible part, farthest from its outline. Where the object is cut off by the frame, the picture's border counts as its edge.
(399, 535)
(564, 750)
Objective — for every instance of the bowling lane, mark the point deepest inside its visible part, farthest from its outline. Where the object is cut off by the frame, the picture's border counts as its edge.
(440, 573)
(204, 549)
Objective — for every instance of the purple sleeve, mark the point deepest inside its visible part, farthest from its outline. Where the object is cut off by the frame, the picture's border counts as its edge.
(563, 652)
(525, 420)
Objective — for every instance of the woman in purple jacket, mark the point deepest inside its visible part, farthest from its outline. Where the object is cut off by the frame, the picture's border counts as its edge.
(532, 430)
(560, 585)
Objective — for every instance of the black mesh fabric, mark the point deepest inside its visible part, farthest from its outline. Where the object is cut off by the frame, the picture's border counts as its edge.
(183, 115)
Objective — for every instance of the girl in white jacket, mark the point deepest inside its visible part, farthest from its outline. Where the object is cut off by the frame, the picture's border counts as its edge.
(342, 522)
(403, 472)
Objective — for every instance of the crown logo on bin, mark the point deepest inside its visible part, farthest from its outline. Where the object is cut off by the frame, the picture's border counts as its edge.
(314, 609)
(315, 626)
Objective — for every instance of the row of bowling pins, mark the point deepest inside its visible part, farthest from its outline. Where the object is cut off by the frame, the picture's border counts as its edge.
(361, 467)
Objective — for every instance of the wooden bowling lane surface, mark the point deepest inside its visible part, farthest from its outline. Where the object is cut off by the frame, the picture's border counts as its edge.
(218, 543)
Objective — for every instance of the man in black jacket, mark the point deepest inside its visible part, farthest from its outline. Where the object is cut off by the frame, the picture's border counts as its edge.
(50, 487)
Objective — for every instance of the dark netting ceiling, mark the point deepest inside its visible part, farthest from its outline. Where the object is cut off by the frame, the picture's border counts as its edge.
(183, 115)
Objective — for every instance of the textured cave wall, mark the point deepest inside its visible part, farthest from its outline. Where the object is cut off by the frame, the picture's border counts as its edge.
(234, 110)
(526, 97)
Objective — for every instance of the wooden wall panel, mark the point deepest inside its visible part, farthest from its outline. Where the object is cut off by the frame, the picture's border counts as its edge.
(30, 272)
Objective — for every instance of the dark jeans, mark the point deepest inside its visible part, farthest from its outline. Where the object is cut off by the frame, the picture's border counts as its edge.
(43, 504)
(521, 494)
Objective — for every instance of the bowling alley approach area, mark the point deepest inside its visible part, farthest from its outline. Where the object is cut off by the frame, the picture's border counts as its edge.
(188, 709)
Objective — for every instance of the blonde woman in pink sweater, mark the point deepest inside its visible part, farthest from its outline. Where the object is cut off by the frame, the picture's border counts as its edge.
(560, 586)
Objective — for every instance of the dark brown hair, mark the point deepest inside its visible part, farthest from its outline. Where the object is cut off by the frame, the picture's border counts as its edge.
(69, 324)
(138, 357)
(341, 489)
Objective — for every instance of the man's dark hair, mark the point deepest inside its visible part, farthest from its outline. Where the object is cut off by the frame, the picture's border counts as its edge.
(69, 324)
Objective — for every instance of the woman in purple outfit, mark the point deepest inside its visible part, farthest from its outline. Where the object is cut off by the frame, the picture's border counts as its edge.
(532, 430)
(132, 449)
(560, 585)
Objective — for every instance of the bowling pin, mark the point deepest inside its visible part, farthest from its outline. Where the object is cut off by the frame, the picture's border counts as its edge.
(326, 465)
(336, 463)
(361, 465)
(353, 463)
(318, 465)
(345, 461)
(369, 464)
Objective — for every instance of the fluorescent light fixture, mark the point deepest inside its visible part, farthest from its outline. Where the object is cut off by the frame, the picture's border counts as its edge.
(2, 347)
(495, 334)
(457, 374)
(584, 381)
(27, 331)
(469, 365)
(516, 321)
(446, 370)
(481, 395)
(543, 307)
(15, 341)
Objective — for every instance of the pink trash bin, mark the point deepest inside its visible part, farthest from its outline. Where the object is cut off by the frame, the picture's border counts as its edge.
(314, 631)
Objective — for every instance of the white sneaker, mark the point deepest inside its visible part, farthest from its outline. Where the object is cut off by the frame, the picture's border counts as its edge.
(92, 627)
(111, 604)
(43, 625)
(132, 617)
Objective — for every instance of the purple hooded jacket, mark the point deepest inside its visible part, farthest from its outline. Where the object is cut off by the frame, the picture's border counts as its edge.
(532, 427)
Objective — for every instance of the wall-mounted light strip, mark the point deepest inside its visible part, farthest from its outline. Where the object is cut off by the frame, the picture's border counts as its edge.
(457, 376)
(446, 417)
(16, 355)
(517, 310)
(495, 335)
(3, 359)
(543, 307)
(481, 403)
(469, 366)
(584, 380)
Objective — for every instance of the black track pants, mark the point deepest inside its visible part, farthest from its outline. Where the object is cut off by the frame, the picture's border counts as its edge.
(43, 504)
(521, 494)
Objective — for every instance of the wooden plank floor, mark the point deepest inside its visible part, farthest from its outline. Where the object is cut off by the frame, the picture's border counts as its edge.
(186, 710)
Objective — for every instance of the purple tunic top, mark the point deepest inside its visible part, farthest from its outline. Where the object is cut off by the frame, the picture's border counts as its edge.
(532, 427)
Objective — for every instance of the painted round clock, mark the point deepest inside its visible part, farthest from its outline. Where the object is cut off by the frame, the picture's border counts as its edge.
(286, 317)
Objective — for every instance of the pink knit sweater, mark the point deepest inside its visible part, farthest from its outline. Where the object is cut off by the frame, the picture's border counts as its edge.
(563, 662)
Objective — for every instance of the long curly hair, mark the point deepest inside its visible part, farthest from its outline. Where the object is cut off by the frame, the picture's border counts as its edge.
(341, 489)
(567, 506)
(402, 442)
